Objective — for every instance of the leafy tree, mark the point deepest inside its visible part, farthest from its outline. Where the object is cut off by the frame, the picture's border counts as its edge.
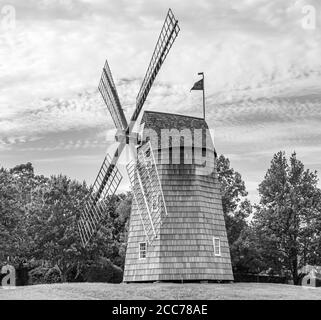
(288, 214)
(15, 196)
(246, 253)
(56, 232)
(54, 223)
(237, 209)
(38, 223)
(232, 186)
(9, 217)
(120, 222)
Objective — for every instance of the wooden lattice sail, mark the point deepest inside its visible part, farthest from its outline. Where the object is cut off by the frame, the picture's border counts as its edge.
(109, 177)
(94, 208)
(147, 192)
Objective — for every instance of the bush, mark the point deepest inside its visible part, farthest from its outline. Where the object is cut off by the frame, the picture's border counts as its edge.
(52, 276)
(248, 277)
(37, 275)
(74, 276)
(22, 277)
(104, 271)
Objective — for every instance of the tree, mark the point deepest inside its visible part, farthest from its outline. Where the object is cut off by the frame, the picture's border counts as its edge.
(56, 231)
(232, 186)
(288, 214)
(9, 217)
(120, 222)
(15, 196)
(38, 223)
(237, 209)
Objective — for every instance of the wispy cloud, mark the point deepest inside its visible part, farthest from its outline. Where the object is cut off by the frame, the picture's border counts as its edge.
(262, 75)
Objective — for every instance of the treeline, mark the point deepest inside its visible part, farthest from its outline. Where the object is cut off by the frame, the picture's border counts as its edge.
(38, 229)
(38, 224)
(284, 232)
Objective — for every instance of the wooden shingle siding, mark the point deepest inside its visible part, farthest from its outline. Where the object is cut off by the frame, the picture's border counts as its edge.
(184, 249)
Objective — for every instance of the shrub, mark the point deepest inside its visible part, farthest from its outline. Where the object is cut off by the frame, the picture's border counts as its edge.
(104, 271)
(52, 276)
(22, 277)
(37, 275)
(74, 276)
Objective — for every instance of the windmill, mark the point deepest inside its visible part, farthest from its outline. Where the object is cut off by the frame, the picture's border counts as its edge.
(177, 229)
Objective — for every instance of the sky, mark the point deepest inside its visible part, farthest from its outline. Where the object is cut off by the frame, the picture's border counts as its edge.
(261, 59)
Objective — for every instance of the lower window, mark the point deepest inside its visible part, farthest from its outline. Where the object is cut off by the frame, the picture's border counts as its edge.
(142, 250)
(217, 246)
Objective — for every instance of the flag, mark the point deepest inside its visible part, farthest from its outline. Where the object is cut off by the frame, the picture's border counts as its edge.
(199, 85)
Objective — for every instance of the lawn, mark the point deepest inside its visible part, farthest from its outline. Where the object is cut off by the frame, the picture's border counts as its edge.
(94, 291)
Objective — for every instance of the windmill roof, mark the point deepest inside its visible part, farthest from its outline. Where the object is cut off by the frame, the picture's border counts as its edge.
(159, 121)
(163, 120)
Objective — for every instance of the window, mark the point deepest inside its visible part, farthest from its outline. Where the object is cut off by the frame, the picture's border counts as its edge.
(142, 250)
(217, 246)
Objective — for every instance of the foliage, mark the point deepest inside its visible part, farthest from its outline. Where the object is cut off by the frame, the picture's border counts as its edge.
(38, 226)
(104, 271)
(232, 186)
(287, 219)
(52, 276)
(53, 223)
(16, 188)
(42, 275)
(37, 275)
(237, 210)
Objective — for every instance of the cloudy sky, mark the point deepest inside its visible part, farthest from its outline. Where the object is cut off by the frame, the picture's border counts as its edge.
(262, 69)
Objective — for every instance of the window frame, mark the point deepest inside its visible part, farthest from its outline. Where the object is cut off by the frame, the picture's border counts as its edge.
(140, 257)
(219, 254)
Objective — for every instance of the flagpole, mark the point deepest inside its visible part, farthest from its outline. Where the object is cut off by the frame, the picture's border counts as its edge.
(203, 97)
(202, 74)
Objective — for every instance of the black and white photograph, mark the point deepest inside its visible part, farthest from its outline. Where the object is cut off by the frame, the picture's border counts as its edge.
(160, 150)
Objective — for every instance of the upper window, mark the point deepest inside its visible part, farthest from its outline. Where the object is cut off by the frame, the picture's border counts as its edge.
(142, 250)
(217, 246)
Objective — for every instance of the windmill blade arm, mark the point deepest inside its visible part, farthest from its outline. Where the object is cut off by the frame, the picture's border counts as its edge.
(109, 93)
(140, 200)
(147, 191)
(95, 209)
(165, 41)
(107, 174)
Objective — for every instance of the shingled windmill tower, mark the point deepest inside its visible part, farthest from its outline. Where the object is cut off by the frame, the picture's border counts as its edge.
(177, 230)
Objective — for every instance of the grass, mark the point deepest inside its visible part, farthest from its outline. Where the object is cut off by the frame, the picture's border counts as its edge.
(211, 291)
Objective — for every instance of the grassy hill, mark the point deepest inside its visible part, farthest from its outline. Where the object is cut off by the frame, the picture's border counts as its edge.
(89, 291)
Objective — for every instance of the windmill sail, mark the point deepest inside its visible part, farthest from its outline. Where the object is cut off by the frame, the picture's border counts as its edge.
(147, 190)
(108, 91)
(141, 202)
(165, 41)
(95, 209)
(109, 176)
